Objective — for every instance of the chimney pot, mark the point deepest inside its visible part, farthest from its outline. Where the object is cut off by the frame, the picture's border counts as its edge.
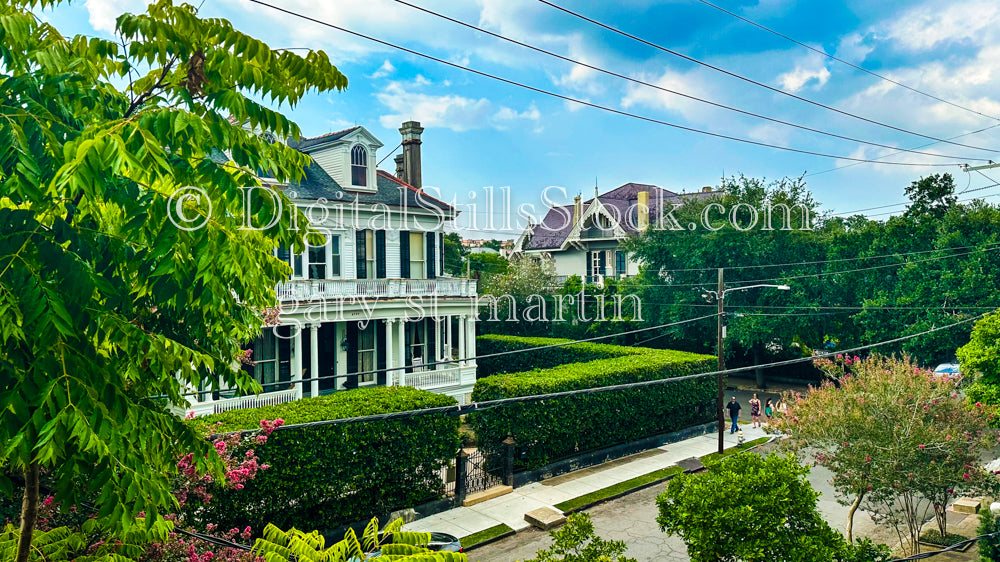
(577, 209)
(642, 211)
(400, 167)
(411, 131)
(706, 189)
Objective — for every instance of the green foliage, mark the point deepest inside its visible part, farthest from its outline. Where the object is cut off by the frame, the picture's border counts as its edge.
(576, 542)
(483, 265)
(485, 535)
(980, 360)
(391, 543)
(933, 536)
(322, 477)
(541, 359)
(106, 301)
(559, 427)
(989, 548)
(749, 508)
(453, 253)
(896, 436)
(80, 544)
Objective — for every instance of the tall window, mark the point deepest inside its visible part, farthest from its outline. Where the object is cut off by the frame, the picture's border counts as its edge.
(415, 345)
(317, 261)
(366, 353)
(335, 256)
(359, 165)
(285, 255)
(265, 358)
(370, 254)
(416, 255)
(619, 263)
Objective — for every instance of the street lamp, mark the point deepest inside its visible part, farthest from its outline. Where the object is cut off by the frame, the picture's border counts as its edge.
(720, 299)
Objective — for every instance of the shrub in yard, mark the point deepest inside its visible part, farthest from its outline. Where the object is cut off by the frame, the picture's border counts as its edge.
(541, 359)
(324, 476)
(556, 428)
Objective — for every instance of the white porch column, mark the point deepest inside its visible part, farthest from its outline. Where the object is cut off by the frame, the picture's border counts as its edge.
(297, 361)
(314, 359)
(462, 334)
(470, 334)
(390, 350)
(339, 355)
(449, 349)
(401, 348)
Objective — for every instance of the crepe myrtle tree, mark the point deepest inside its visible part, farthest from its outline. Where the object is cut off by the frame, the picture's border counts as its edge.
(115, 294)
(895, 436)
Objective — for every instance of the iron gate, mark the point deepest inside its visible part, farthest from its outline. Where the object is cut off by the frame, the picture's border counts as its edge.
(482, 472)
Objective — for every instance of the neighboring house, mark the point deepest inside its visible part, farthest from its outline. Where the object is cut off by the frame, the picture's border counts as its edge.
(585, 238)
(374, 295)
(483, 250)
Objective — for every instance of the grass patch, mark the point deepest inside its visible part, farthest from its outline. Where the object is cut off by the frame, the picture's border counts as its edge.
(620, 488)
(485, 535)
(932, 536)
(713, 458)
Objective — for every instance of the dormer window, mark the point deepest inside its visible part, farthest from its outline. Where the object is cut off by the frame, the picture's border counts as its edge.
(359, 166)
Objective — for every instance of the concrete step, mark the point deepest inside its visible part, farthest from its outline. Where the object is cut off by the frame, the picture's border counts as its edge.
(967, 505)
(480, 497)
(545, 518)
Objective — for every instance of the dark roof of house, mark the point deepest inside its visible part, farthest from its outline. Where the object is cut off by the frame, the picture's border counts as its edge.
(552, 231)
(317, 184)
(306, 143)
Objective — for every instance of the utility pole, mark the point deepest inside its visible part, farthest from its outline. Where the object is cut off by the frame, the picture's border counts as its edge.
(722, 358)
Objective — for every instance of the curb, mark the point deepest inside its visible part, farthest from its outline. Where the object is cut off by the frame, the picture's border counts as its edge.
(491, 540)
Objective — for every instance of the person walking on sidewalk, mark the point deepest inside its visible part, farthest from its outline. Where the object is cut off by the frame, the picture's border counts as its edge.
(734, 414)
(768, 411)
(755, 411)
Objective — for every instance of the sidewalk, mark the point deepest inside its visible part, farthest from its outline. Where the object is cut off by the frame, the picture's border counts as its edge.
(510, 508)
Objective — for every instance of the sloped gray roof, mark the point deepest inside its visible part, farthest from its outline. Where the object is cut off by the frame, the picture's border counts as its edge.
(304, 144)
(621, 202)
(317, 184)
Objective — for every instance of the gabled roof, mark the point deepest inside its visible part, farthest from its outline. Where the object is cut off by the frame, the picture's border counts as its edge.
(305, 144)
(552, 232)
(317, 184)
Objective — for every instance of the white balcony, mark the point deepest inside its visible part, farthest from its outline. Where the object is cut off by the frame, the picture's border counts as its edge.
(321, 289)
(427, 379)
(241, 402)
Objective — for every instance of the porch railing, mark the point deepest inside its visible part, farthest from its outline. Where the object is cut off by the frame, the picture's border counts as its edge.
(318, 289)
(263, 399)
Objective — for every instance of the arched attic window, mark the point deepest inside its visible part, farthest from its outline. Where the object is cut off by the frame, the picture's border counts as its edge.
(359, 165)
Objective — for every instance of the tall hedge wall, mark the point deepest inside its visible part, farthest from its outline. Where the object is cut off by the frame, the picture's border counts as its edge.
(554, 429)
(542, 359)
(326, 476)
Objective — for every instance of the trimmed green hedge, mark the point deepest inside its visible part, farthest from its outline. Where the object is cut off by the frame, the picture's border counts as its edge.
(553, 429)
(542, 359)
(326, 476)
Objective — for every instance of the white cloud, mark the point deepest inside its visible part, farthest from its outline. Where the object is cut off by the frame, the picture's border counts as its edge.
(454, 112)
(385, 70)
(854, 48)
(103, 13)
(807, 70)
(926, 26)
(691, 83)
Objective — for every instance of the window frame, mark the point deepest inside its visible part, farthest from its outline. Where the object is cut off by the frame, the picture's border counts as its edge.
(359, 165)
(368, 379)
(310, 264)
(418, 268)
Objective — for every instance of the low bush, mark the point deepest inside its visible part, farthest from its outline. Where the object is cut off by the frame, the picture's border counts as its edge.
(322, 477)
(541, 359)
(552, 429)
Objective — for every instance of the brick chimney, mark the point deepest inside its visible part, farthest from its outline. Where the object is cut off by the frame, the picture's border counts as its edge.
(400, 167)
(411, 131)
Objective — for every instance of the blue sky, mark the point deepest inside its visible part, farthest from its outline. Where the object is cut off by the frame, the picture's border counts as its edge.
(483, 133)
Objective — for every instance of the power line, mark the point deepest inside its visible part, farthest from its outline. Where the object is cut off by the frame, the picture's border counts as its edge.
(476, 357)
(664, 89)
(750, 80)
(850, 213)
(458, 410)
(840, 60)
(956, 546)
(837, 260)
(825, 273)
(959, 201)
(834, 169)
(590, 104)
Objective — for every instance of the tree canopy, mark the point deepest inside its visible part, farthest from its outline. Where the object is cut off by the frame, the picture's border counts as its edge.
(119, 295)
